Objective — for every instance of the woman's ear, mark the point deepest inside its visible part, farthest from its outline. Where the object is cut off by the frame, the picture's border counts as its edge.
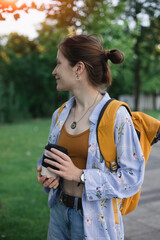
(80, 67)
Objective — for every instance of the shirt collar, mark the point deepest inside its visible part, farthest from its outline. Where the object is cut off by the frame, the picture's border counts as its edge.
(70, 102)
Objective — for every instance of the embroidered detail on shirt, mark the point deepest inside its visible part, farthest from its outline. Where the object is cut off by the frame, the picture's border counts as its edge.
(59, 124)
(128, 121)
(101, 217)
(100, 191)
(135, 156)
(119, 176)
(130, 172)
(51, 138)
(88, 221)
(103, 203)
(120, 130)
(92, 148)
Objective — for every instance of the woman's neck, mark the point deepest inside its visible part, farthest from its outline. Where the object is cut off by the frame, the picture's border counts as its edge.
(86, 97)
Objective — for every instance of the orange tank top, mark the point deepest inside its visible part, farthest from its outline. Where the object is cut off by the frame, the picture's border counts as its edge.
(77, 146)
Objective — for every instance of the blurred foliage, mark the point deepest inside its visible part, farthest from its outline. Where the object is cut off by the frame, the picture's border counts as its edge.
(144, 16)
(27, 88)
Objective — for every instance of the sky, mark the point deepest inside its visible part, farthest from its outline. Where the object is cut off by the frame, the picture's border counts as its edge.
(27, 23)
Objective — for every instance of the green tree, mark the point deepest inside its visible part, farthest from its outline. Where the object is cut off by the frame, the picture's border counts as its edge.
(146, 37)
(27, 86)
(122, 26)
(49, 36)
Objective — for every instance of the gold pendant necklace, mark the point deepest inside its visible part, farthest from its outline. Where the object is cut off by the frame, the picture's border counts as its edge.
(74, 123)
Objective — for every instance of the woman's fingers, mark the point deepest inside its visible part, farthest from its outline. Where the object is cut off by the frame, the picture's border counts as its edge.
(54, 164)
(39, 169)
(55, 183)
(51, 182)
(41, 179)
(57, 155)
(60, 154)
(47, 182)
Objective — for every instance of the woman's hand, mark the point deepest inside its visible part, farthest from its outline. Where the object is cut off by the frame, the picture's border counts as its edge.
(67, 169)
(47, 182)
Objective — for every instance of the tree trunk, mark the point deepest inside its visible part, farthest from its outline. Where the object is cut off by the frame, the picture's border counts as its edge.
(137, 76)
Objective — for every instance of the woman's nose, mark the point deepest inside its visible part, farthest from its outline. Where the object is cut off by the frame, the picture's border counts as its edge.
(54, 71)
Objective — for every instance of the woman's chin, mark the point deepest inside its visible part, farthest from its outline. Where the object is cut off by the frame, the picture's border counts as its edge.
(60, 88)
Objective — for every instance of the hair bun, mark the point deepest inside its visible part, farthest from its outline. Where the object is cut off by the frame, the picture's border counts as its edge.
(115, 56)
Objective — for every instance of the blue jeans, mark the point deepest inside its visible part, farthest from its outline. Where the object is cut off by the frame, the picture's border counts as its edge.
(65, 223)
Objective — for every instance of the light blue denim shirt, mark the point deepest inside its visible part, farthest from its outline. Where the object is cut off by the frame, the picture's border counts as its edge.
(101, 186)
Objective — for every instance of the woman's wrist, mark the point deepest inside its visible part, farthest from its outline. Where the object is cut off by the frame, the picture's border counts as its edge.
(78, 174)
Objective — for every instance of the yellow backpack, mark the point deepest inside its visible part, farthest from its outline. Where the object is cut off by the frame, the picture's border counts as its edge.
(148, 130)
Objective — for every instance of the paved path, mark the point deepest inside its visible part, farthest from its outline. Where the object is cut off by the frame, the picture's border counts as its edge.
(144, 222)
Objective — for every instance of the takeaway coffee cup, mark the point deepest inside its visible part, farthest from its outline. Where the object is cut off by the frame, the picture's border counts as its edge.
(44, 170)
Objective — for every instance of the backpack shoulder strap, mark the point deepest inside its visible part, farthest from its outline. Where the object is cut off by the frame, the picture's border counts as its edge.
(105, 131)
(112, 105)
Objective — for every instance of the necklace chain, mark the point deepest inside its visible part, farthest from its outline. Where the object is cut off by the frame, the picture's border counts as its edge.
(74, 123)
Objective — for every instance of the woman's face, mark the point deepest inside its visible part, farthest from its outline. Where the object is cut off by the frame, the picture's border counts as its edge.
(64, 73)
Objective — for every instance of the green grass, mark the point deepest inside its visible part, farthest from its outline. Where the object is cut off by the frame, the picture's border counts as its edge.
(24, 213)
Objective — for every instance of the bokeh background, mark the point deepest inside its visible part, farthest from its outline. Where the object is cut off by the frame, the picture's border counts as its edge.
(29, 34)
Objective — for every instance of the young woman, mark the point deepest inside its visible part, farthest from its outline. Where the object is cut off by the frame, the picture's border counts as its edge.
(80, 197)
